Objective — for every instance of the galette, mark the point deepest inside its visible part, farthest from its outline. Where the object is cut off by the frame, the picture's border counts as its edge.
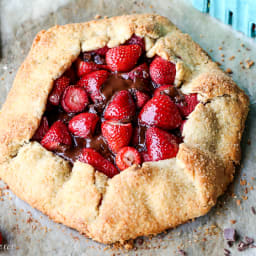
(120, 127)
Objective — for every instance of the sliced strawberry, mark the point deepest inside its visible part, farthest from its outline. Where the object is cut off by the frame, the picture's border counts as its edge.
(126, 157)
(162, 71)
(118, 135)
(92, 83)
(71, 74)
(137, 40)
(60, 85)
(56, 137)
(141, 98)
(123, 58)
(160, 111)
(92, 157)
(42, 129)
(83, 125)
(84, 68)
(161, 144)
(145, 156)
(162, 89)
(141, 72)
(74, 99)
(187, 106)
(121, 108)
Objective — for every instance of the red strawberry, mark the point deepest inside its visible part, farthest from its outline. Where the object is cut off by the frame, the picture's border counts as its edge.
(84, 68)
(42, 129)
(160, 111)
(92, 83)
(145, 156)
(141, 72)
(160, 90)
(83, 124)
(60, 85)
(56, 137)
(92, 157)
(161, 144)
(188, 105)
(117, 135)
(162, 71)
(141, 98)
(126, 157)
(137, 40)
(123, 58)
(71, 74)
(121, 108)
(74, 99)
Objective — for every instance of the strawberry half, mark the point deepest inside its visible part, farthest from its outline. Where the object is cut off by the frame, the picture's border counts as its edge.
(83, 125)
(58, 89)
(92, 83)
(187, 106)
(121, 108)
(92, 157)
(161, 144)
(84, 68)
(42, 129)
(141, 72)
(160, 111)
(141, 98)
(160, 90)
(137, 40)
(56, 137)
(162, 71)
(126, 157)
(118, 135)
(123, 58)
(74, 99)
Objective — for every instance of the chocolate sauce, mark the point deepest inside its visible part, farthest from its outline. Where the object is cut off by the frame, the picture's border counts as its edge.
(115, 82)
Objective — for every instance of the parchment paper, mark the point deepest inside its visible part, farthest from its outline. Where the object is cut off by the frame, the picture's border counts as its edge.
(28, 232)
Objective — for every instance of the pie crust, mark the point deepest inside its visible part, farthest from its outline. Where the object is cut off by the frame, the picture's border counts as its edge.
(141, 200)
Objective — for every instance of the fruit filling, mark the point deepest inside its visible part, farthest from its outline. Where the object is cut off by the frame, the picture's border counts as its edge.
(114, 108)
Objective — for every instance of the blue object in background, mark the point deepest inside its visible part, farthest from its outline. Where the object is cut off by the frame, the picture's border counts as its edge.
(240, 14)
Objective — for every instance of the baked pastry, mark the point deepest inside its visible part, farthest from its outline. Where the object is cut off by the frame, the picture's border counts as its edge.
(120, 127)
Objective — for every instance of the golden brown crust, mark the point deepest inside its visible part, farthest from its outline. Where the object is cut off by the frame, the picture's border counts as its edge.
(140, 200)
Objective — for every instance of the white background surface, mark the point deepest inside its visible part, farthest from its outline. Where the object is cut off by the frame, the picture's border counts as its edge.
(20, 21)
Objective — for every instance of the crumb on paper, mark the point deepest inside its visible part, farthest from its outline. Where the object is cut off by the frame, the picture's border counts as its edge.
(243, 182)
(222, 55)
(233, 221)
(244, 198)
(220, 48)
(238, 202)
(97, 16)
(229, 71)
(232, 57)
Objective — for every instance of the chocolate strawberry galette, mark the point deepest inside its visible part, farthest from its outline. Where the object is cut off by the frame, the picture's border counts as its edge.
(120, 127)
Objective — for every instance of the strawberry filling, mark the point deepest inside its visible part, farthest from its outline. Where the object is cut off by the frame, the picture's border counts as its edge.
(114, 108)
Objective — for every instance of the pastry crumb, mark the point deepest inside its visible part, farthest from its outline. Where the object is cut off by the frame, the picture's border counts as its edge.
(229, 71)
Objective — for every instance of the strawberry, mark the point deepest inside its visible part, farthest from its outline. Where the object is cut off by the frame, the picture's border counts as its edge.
(74, 99)
(161, 90)
(92, 83)
(126, 157)
(162, 71)
(121, 108)
(56, 137)
(141, 72)
(160, 111)
(71, 74)
(145, 156)
(137, 40)
(141, 98)
(118, 135)
(123, 58)
(84, 68)
(83, 125)
(60, 85)
(161, 144)
(187, 106)
(92, 157)
(42, 129)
